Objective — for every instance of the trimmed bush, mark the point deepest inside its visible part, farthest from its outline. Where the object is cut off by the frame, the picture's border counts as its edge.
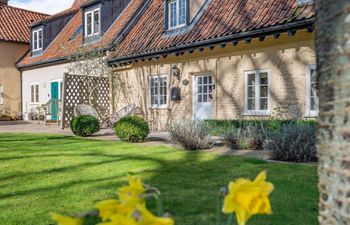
(250, 137)
(293, 142)
(220, 127)
(84, 125)
(190, 134)
(132, 129)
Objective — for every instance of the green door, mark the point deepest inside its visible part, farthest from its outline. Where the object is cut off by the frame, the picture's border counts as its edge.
(54, 100)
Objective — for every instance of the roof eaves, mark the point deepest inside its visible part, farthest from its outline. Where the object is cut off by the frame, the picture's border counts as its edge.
(297, 25)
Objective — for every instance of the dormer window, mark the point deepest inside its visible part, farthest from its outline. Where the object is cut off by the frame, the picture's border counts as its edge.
(92, 22)
(37, 40)
(177, 14)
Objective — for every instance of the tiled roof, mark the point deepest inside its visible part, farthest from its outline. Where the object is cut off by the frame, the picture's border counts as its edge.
(64, 45)
(14, 23)
(221, 18)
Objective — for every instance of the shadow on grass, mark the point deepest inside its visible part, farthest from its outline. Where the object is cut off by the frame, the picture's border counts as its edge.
(189, 181)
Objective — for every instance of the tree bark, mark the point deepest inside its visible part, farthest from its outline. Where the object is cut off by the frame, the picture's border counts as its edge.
(333, 136)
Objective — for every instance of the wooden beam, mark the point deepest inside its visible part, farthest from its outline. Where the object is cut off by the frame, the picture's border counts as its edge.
(261, 38)
(291, 33)
(276, 36)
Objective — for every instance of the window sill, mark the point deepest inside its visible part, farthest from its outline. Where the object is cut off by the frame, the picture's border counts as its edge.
(256, 113)
(158, 107)
(311, 114)
(34, 103)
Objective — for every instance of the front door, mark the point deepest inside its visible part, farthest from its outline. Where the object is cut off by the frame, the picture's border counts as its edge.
(203, 97)
(54, 100)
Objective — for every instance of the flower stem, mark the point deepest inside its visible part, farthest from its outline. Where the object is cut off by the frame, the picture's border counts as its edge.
(230, 218)
(160, 209)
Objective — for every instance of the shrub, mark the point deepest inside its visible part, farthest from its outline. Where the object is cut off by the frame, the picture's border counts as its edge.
(84, 125)
(190, 134)
(220, 127)
(293, 142)
(132, 129)
(245, 137)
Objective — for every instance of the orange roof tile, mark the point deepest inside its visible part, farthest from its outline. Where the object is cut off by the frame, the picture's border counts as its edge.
(14, 23)
(63, 45)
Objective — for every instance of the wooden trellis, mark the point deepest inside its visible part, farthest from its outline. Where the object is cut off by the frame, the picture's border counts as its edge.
(85, 90)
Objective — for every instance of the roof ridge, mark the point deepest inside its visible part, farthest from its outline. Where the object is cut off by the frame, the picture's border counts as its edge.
(27, 10)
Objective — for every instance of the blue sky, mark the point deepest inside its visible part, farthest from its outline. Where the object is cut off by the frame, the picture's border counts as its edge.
(45, 6)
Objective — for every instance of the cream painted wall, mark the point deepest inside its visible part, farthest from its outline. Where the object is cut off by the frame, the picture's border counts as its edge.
(43, 76)
(287, 59)
(10, 76)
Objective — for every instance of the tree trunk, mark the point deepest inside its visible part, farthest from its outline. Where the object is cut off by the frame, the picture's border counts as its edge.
(333, 62)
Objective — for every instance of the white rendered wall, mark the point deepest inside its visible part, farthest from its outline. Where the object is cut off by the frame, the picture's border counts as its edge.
(43, 76)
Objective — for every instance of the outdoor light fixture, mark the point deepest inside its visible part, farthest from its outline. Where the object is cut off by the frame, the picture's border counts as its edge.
(175, 71)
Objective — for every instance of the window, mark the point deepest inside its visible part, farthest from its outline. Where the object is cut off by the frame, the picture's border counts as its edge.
(1, 95)
(37, 41)
(177, 13)
(34, 93)
(312, 93)
(257, 92)
(92, 22)
(158, 91)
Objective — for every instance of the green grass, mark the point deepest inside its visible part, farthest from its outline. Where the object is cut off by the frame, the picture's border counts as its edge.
(45, 173)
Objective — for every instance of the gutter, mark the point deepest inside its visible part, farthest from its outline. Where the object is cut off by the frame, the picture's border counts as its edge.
(215, 41)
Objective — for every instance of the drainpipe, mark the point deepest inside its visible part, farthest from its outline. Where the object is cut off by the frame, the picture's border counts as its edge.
(21, 94)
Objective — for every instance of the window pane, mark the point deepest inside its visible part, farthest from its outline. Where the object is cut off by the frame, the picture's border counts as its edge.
(263, 91)
(182, 12)
(40, 44)
(251, 104)
(172, 14)
(263, 79)
(263, 103)
(205, 98)
(88, 24)
(199, 98)
(205, 89)
(200, 90)
(251, 92)
(251, 79)
(199, 80)
(36, 93)
(97, 22)
(205, 80)
(35, 40)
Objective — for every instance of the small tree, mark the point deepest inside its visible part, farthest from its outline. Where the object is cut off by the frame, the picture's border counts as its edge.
(90, 63)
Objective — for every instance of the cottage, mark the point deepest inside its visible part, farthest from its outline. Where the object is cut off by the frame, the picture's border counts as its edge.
(14, 43)
(87, 24)
(219, 59)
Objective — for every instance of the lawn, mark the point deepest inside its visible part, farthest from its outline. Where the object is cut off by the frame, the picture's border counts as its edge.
(45, 173)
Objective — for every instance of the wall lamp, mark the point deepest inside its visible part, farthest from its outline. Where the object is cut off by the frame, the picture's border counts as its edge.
(175, 71)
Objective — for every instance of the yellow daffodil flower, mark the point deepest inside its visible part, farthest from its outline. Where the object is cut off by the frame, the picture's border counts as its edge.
(108, 208)
(147, 218)
(120, 220)
(63, 220)
(133, 191)
(247, 198)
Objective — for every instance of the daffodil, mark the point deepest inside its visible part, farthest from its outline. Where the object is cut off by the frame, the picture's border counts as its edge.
(64, 220)
(247, 198)
(133, 191)
(108, 208)
(147, 218)
(119, 219)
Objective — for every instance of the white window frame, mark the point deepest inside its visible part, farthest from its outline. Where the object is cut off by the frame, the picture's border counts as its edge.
(36, 100)
(309, 112)
(1, 94)
(92, 12)
(177, 16)
(158, 106)
(38, 41)
(257, 111)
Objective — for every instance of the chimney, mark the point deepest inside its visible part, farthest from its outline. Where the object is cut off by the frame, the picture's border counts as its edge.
(4, 2)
